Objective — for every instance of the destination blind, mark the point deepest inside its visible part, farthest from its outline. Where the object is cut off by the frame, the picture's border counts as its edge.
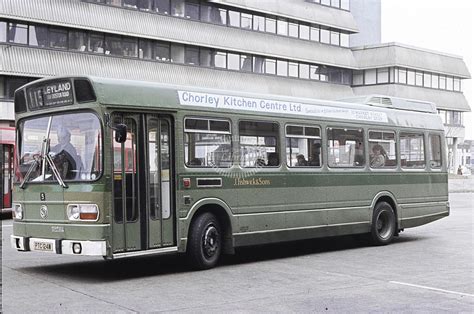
(51, 94)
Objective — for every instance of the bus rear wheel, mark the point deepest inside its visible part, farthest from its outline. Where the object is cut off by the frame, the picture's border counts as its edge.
(205, 242)
(383, 224)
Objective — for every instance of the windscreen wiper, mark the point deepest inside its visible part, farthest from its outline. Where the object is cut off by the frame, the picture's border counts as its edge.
(30, 170)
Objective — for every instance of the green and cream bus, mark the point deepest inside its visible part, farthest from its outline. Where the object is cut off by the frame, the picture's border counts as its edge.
(118, 168)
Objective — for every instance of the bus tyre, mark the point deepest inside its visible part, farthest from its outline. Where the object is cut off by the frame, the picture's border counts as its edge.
(205, 242)
(383, 224)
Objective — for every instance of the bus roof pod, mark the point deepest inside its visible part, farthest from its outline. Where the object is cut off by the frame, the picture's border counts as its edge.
(394, 103)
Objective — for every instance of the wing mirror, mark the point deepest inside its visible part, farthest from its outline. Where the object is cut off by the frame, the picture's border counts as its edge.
(120, 129)
(120, 133)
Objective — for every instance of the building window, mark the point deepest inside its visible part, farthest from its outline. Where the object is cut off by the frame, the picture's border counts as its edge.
(282, 27)
(192, 9)
(370, 77)
(258, 23)
(77, 40)
(314, 72)
(442, 82)
(233, 61)
(304, 71)
(246, 63)
(145, 50)
(130, 47)
(344, 40)
(3, 31)
(213, 15)
(418, 78)
(162, 6)
(17, 33)
(270, 25)
(325, 36)
(234, 18)
(39, 36)
(434, 81)
(402, 76)
(314, 33)
(382, 75)
(113, 45)
(449, 83)
(293, 69)
(293, 30)
(246, 21)
(282, 68)
(270, 66)
(220, 60)
(457, 84)
(427, 79)
(345, 5)
(191, 55)
(96, 43)
(335, 38)
(162, 52)
(346, 147)
(304, 31)
(258, 64)
(177, 8)
(411, 77)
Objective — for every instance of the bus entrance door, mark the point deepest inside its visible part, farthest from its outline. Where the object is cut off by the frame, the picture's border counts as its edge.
(143, 209)
(161, 218)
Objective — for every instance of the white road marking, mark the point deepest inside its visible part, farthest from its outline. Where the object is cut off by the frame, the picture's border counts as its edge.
(7, 225)
(431, 288)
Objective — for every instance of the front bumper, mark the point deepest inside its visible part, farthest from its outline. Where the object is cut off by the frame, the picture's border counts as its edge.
(70, 247)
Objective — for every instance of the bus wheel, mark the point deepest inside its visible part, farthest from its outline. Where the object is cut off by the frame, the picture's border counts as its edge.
(383, 224)
(205, 242)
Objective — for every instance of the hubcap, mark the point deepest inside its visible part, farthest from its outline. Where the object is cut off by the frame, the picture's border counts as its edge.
(210, 241)
(383, 225)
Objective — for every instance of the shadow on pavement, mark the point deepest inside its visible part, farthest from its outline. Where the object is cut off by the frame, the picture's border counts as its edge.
(99, 271)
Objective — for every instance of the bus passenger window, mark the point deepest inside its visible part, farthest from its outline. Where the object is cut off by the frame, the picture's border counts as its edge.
(258, 144)
(207, 143)
(346, 147)
(412, 150)
(382, 149)
(435, 151)
(303, 146)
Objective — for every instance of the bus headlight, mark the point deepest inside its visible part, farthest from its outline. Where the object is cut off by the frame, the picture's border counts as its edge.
(82, 212)
(17, 211)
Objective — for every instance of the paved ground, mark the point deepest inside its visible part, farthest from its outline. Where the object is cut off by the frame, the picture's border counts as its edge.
(429, 268)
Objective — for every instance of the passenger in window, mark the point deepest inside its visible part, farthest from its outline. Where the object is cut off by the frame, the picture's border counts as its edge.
(195, 162)
(301, 161)
(315, 158)
(272, 160)
(359, 159)
(260, 162)
(377, 159)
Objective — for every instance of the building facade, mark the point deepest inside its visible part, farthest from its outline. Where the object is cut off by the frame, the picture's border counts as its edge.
(298, 48)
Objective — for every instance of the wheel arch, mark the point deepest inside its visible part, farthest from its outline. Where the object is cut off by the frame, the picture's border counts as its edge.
(386, 196)
(223, 213)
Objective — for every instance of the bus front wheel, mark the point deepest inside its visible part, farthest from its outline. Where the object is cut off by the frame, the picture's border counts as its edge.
(204, 242)
(383, 224)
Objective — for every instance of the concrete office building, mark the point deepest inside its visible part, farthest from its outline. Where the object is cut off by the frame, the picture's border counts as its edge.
(298, 48)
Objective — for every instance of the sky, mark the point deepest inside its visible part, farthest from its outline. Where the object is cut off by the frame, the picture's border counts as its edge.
(441, 25)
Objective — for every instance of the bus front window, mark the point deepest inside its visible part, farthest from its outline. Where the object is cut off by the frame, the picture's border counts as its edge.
(74, 145)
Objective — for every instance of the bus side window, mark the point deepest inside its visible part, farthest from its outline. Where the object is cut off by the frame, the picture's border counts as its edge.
(435, 151)
(382, 149)
(412, 150)
(207, 143)
(258, 142)
(345, 147)
(303, 146)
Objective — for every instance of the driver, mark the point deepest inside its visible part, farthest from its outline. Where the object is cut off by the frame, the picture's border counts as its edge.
(65, 153)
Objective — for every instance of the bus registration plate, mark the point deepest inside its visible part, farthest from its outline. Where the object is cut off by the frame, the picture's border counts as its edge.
(43, 246)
